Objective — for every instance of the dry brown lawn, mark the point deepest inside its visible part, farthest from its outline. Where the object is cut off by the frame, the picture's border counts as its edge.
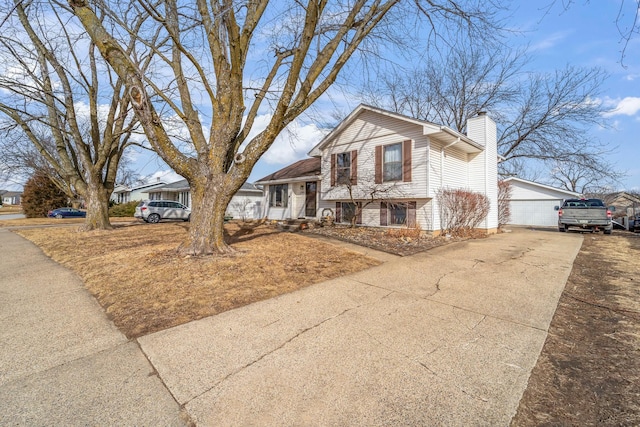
(10, 209)
(144, 286)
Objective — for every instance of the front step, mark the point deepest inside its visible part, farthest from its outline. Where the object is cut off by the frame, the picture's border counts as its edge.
(293, 225)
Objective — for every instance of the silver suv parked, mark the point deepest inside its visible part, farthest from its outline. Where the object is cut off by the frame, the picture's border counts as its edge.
(155, 210)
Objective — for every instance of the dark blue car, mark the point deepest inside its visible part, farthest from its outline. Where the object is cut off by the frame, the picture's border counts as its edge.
(66, 213)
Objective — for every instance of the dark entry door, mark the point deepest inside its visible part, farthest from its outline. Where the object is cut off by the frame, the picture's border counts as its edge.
(310, 202)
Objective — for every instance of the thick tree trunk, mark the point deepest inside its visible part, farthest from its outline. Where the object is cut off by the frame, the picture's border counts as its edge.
(97, 204)
(206, 230)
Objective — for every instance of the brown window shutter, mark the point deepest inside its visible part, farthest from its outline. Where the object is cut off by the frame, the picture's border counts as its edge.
(383, 213)
(354, 167)
(333, 170)
(338, 217)
(411, 214)
(378, 173)
(359, 215)
(406, 161)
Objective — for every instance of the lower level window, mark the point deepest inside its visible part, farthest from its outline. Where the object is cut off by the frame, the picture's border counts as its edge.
(348, 211)
(397, 213)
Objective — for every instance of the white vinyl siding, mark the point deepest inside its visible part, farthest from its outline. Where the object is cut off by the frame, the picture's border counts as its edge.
(456, 169)
(363, 135)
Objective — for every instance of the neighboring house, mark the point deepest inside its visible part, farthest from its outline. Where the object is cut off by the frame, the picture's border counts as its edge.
(626, 204)
(178, 191)
(10, 197)
(533, 204)
(398, 162)
(125, 194)
(245, 204)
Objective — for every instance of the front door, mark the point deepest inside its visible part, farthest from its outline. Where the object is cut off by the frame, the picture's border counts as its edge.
(310, 199)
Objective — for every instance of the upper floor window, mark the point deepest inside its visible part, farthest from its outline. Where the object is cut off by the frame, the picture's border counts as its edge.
(392, 163)
(343, 168)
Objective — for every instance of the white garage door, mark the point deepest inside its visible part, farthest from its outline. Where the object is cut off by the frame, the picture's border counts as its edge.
(534, 212)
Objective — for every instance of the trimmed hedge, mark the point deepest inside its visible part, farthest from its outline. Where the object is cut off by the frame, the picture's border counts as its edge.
(123, 209)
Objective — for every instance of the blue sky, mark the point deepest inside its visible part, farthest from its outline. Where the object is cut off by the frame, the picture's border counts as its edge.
(584, 34)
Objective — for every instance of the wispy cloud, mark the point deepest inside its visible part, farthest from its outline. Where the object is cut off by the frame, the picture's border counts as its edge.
(550, 41)
(293, 143)
(628, 106)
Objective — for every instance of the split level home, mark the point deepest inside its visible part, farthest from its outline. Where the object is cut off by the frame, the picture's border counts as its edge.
(386, 169)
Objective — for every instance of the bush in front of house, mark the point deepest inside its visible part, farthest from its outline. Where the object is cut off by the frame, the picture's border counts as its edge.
(461, 211)
(40, 195)
(123, 209)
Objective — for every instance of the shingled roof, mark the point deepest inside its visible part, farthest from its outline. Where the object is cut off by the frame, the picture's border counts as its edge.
(301, 168)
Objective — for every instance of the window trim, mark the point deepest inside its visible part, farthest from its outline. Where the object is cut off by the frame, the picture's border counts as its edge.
(340, 209)
(406, 162)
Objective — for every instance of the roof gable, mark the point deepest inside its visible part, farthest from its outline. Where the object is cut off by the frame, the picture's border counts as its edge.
(622, 197)
(542, 188)
(441, 133)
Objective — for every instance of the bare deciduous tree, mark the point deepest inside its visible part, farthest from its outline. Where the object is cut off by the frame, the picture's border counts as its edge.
(231, 60)
(584, 174)
(63, 99)
(541, 118)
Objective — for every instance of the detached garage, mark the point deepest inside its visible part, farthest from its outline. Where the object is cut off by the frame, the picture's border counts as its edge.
(533, 204)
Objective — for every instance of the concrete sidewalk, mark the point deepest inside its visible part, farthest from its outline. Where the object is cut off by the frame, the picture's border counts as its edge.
(62, 362)
(447, 337)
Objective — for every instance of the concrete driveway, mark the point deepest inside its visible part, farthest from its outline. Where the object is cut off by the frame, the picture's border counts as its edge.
(447, 337)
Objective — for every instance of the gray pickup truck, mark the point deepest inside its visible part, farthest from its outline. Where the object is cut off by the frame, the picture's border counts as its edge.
(586, 214)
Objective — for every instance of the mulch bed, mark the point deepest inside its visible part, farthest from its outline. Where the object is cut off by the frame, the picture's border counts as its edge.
(399, 241)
